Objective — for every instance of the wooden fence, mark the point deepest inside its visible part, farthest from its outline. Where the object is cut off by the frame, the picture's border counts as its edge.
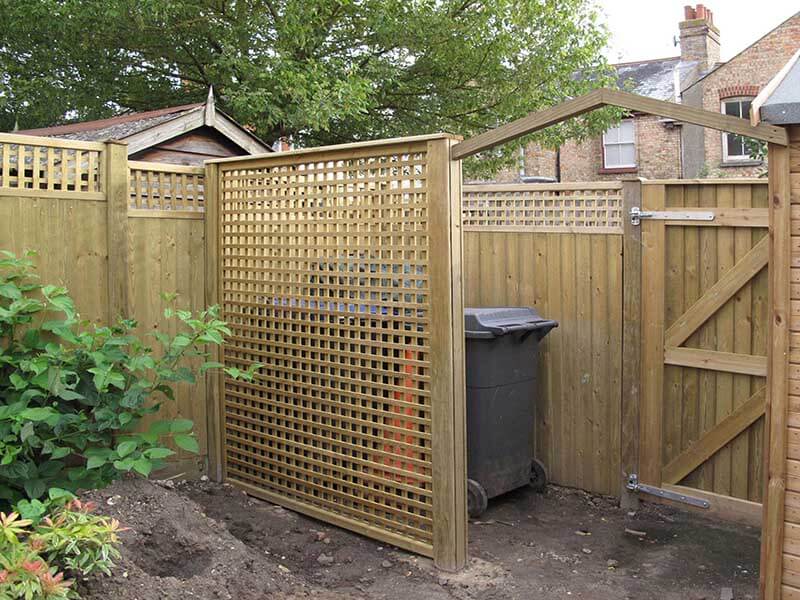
(71, 202)
(568, 250)
(117, 234)
(558, 247)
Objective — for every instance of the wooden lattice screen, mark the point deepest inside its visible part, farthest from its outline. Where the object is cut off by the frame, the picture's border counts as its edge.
(340, 272)
(159, 186)
(44, 167)
(594, 207)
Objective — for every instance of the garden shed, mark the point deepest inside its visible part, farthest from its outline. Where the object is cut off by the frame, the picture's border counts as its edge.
(182, 135)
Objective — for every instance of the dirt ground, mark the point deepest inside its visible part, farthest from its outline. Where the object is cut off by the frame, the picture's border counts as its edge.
(207, 541)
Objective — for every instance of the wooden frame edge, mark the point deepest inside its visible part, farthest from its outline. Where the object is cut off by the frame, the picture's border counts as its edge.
(214, 379)
(447, 359)
(771, 571)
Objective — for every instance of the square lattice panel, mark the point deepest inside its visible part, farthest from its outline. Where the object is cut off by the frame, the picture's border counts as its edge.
(558, 208)
(325, 280)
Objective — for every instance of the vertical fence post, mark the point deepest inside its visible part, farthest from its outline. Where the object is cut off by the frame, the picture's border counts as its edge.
(214, 379)
(651, 405)
(780, 261)
(116, 188)
(447, 358)
(631, 338)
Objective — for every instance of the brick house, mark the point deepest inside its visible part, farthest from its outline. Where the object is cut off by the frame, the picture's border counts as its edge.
(658, 148)
(730, 87)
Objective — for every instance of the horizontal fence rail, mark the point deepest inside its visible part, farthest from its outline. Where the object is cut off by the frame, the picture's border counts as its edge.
(159, 186)
(594, 207)
(36, 166)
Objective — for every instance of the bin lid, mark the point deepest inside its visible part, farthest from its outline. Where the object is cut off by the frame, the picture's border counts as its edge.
(497, 321)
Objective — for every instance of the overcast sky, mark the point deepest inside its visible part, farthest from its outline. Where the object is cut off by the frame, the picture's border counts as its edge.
(645, 29)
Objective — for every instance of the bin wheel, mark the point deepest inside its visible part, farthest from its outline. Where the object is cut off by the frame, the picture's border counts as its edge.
(477, 500)
(538, 480)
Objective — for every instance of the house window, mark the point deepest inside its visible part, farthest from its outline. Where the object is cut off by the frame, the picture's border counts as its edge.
(733, 146)
(619, 146)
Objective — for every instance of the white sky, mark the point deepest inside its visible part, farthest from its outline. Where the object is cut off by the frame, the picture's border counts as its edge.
(644, 29)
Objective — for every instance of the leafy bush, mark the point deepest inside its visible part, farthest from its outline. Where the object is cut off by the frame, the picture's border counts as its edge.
(72, 393)
(35, 560)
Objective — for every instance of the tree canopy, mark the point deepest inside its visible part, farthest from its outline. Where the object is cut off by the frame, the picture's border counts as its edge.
(318, 71)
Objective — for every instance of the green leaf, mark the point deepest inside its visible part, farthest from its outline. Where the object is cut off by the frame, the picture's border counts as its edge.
(32, 510)
(60, 452)
(18, 382)
(55, 494)
(143, 466)
(126, 447)
(9, 290)
(160, 427)
(38, 414)
(35, 488)
(181, 425)
(187, 442)
(94, 462)
(181, 341)
(211, 337)
(124, 465)
(27, 431)
(158, 453)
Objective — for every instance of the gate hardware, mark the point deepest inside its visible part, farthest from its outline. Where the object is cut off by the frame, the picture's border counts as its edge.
(637, 214)
(635, 486)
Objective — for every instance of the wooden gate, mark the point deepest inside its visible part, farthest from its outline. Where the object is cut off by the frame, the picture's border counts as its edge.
(340, 272)
(704, 340)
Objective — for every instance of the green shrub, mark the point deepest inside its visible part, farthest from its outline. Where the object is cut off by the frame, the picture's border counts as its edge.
(36, 560)
(73, 393)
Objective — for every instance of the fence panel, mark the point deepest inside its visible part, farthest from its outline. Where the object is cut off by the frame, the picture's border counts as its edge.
(158, 186)
(558, 248)
(157, 250)
(340, 273)
(41, 210)
(705, 305)
(45, 167)
(167, 254)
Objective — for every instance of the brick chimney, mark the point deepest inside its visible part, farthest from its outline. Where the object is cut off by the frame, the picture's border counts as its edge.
(699, 36)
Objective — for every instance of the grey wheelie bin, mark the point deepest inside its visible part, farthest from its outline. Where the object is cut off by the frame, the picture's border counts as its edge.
(501, 361)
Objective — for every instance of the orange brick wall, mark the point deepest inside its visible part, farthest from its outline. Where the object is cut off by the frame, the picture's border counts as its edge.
(746, 72)
(658, 154)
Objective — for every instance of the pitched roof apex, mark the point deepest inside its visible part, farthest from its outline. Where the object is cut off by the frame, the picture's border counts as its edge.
(209, 115)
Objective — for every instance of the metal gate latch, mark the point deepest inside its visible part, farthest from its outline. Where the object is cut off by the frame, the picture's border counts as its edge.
(637, 214)
(635, 486)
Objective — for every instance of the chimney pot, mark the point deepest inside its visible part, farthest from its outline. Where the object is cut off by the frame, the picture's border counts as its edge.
(701, 12)
(699, 37)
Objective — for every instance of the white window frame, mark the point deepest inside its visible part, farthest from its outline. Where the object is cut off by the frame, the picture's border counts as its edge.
(727, 158)
(633, 142)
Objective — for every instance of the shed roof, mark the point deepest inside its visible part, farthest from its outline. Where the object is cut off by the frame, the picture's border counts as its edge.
(143, 130)
(116, 128)
(782, 106)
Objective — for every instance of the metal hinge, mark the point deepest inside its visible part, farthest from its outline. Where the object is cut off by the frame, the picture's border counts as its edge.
(635, 486)
(637, 214)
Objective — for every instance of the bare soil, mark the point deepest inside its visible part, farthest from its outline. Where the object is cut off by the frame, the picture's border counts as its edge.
(209, 541)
